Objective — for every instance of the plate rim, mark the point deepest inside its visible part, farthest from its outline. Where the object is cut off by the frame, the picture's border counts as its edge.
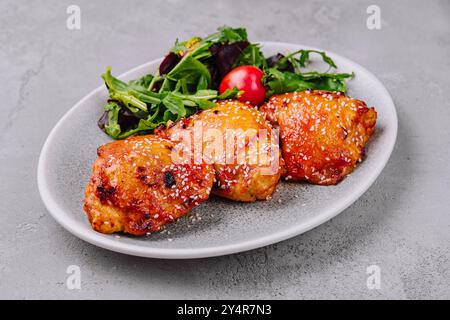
(188, 253)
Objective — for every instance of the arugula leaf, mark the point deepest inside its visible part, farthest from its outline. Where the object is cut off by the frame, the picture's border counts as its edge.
(253, 56)
(201, 51)
(169, 116)
(144, 127)
(227, 34)
(120, 91)
(203, 94)
(303, 59)
(112, 127)
(113, 83)
(200, 99)
(281, 82)
(142, 83)
(205, 104)
(230, 94)
(147, 97)
(191, 70)
(203, 82)
(131, 102)
(174, 105)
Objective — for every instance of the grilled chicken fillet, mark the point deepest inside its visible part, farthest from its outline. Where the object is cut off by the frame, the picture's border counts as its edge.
(323, 134)
(247, 165)
(136, 187)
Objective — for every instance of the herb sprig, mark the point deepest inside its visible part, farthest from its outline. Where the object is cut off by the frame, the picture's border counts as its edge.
(279, 81)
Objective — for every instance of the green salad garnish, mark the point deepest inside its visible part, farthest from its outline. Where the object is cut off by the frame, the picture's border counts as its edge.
(189, 76)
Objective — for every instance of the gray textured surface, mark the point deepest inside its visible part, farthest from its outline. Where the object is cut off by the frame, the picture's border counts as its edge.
(402, 222)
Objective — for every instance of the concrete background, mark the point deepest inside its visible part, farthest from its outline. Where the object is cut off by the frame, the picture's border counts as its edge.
(401, 223)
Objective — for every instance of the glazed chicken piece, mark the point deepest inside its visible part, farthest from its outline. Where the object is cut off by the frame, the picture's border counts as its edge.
(136, 187)
(323, 134)
(240, 144)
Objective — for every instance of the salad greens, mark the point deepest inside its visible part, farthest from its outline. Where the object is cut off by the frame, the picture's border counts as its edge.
(189, 76)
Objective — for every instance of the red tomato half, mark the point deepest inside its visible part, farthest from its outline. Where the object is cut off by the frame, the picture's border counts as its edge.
(247, 79)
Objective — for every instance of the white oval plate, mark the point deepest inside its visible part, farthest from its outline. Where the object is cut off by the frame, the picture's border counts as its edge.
(225, 227)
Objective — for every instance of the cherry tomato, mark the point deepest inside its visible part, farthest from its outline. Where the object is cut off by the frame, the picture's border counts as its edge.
(247, 79)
